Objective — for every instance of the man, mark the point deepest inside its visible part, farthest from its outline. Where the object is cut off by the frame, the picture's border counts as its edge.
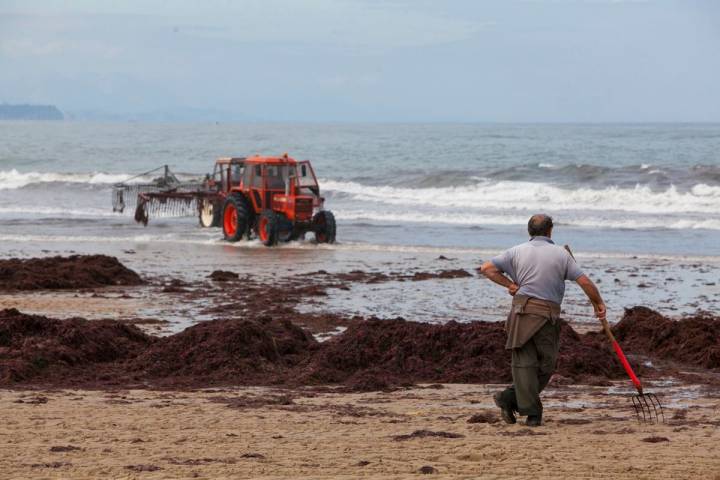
(537, 270)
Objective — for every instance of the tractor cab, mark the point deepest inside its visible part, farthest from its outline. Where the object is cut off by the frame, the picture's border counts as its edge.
(227, 173)
(281, 184)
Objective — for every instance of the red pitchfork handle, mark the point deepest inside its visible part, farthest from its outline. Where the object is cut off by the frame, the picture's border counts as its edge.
(616, 346)
(621, 356)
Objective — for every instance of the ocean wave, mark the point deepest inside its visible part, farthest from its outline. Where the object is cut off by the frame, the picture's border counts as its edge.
(657, 177)
(529, 196)
(59, 212)
(13, 179)
(498, 219)
(342, 246)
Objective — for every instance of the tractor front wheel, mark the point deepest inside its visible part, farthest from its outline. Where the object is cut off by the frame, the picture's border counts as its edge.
(267, 228)
(235, 218)
(324, 226)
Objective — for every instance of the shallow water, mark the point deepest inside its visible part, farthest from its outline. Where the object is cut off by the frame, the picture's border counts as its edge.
(611, 188)
(640, 205)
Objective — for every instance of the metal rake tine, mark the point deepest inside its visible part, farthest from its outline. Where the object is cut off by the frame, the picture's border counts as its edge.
(655, 402)
(642, 406)
(638, 408)
(662, 410)
(644, 397)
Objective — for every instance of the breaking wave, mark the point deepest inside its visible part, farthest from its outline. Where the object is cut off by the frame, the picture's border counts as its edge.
(529, 196)
(471, 219)
(12, 179)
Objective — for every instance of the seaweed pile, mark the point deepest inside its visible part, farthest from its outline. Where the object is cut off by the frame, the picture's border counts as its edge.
(370, 355)
(260, 338)
(73, 272)
(691, 341)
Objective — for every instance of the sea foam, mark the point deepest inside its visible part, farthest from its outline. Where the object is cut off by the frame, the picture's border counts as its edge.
(522, 196)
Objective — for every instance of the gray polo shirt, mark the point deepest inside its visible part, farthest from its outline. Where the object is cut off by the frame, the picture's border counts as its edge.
(539, 268)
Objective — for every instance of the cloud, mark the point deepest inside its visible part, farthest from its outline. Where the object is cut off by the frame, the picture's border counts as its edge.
(333, 23)
(340, 23)
(27, 47)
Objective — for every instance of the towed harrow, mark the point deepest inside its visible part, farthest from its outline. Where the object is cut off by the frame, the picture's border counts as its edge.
(165, 195)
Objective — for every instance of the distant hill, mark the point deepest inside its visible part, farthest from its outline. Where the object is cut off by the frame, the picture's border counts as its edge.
(29, 112)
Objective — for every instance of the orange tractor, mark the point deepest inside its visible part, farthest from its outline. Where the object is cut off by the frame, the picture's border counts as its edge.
(275, 198)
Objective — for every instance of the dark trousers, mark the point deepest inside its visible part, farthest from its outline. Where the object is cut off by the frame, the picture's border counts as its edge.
(532, 366)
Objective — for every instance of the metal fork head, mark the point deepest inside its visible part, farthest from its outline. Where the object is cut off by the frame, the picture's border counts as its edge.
(648, 408)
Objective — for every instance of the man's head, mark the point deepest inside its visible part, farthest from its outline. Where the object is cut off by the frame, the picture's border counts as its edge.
(540, 225)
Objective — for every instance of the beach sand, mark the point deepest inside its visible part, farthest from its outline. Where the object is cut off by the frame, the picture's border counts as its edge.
(323, 432)
(270, 433)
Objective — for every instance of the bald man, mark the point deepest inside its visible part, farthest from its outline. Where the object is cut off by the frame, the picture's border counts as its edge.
(534, 273)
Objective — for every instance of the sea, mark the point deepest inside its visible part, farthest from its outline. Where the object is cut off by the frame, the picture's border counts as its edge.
(612, 189)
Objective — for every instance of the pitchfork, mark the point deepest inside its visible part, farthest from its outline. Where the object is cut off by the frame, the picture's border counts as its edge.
(646, 405)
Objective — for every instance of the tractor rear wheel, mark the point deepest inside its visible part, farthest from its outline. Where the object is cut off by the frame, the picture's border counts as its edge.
(267, 228)
(325, 228)
(209, 215)
(235, 218)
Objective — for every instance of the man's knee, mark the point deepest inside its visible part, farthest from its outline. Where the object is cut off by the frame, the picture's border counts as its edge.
(548, 348)
(547, 364)
(525, 357)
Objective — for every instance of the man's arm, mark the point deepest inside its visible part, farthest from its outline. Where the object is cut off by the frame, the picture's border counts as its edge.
(593, 294)
(493, 273)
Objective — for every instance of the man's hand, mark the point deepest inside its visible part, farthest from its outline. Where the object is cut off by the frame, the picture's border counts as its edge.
(600, 311)
(513, 288)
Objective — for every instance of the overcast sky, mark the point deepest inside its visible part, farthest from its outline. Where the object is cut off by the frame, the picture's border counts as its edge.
(355, 60)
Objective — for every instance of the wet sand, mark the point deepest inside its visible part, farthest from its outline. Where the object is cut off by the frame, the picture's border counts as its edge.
(269, 433)
(190, 431)
(676, 286)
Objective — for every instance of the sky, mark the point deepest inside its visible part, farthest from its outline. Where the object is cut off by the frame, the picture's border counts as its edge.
(366, 60)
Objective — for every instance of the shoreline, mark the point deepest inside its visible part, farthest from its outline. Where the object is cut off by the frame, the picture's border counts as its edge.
(283, 329)
(673, 287)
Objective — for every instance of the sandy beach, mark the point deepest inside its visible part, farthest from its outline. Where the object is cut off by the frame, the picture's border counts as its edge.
(337, 395)
(276, 433)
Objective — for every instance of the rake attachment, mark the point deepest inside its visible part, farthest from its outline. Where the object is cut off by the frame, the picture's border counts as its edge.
(126, 194)
(171, 204)
(648, 408)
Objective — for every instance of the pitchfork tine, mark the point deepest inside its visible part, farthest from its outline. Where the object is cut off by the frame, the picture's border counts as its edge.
(637, 404)
(647, 405)
(652, 419)
(656, 403)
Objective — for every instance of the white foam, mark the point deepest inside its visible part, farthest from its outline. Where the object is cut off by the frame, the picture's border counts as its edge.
(12, 179)
(57, 211)
(212, 239)
(525, 196)
(470, 218)
(143, 238)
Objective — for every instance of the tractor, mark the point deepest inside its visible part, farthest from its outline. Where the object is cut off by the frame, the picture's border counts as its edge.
(276, 199)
